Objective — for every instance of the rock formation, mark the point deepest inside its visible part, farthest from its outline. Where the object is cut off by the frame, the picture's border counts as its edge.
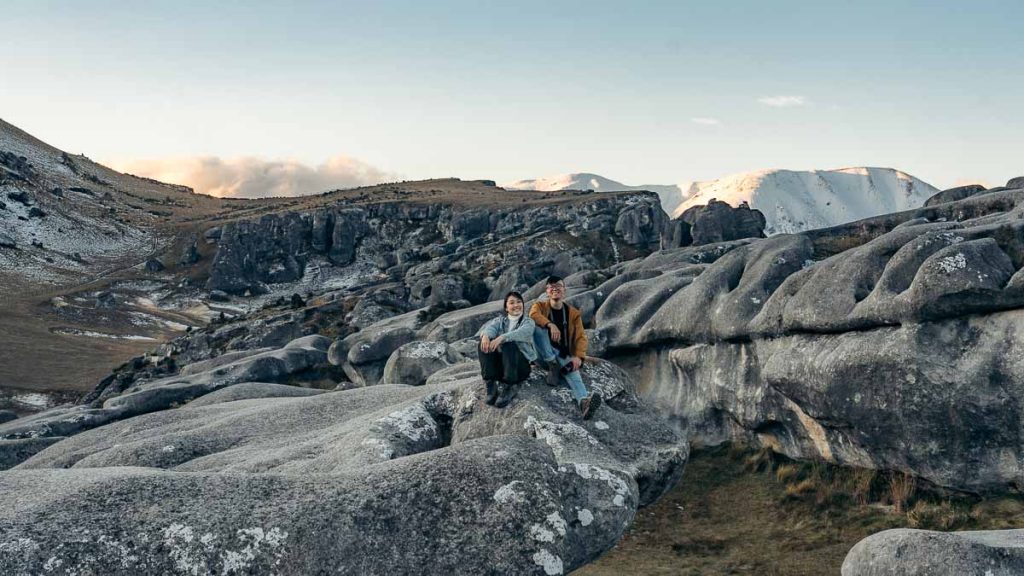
(895, 353)
(390, 478)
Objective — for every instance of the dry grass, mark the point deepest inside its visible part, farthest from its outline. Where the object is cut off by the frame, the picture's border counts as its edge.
(785, 517)
(901, 488)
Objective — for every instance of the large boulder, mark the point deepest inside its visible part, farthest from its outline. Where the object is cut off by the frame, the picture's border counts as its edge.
(414, 362)
(954, 194)
(926, 553)
(720, 222)
(387, 479)
(252, 390)
(14, 452)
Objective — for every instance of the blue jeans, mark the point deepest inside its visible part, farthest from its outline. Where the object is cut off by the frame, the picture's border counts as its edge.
(547, 352)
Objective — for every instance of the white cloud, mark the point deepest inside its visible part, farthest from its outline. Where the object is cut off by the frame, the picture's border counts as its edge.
(706, 121)
(783, 101)
(250, 177)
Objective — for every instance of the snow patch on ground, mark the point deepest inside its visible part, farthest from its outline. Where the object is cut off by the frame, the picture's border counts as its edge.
(93, 334)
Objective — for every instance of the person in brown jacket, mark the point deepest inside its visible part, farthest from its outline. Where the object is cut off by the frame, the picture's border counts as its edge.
(561, 344)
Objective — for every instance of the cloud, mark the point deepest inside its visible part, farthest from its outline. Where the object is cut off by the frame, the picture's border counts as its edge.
(250, 177)
(706, 121)
(783, 101)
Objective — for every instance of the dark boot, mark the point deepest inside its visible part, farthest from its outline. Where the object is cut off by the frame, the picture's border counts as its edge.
(508, 392)
(492, 392)
(554, 373)
(589, 405)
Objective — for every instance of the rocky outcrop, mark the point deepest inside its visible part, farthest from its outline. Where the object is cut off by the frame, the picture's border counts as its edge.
(416, 242)
(926, 553)
(414, 362)
(895, 353)
(954, 194)
(394, 479)
(717, 222)
(144, 396)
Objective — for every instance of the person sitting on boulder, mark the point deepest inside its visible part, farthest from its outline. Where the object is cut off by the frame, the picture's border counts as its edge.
(506, 350)
(562, 344)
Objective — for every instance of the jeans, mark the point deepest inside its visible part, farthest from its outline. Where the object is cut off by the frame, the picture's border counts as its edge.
(547, 352)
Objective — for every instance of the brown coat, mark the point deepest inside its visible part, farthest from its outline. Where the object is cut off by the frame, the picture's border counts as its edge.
(577, 338)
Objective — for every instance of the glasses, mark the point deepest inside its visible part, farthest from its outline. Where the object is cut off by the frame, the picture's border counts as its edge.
(556, 288)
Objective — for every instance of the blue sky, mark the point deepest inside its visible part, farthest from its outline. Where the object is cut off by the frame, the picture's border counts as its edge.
(642, 92)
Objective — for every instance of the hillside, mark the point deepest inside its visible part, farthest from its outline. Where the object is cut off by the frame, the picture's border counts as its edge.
(793, 201)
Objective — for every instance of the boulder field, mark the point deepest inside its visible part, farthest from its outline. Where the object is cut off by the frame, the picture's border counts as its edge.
(388, 479)
(889, 343)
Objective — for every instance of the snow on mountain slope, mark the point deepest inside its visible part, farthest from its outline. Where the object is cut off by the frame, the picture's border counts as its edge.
(65, 218)
(671, 195)
(804, 200)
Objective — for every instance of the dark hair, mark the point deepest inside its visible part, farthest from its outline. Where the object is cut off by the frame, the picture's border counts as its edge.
(511, 294)
(554, 279)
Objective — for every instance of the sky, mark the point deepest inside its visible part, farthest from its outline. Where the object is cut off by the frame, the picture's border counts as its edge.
(322, 94)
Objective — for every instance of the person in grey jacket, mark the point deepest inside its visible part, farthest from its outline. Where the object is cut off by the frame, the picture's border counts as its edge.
(506, 350)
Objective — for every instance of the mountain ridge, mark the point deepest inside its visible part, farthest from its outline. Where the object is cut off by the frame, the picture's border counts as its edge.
(798, 200)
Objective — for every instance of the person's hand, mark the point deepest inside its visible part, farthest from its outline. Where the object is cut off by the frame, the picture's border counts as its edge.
(556, 334)
(576, 362)
(485, 343)
(496, 343)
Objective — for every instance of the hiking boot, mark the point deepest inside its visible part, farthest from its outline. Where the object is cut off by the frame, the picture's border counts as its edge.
(492, 392)
(508, 392)
(554, 373)
(589, 405)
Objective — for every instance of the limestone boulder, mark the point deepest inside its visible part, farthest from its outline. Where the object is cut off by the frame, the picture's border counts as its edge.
(252, 390)
(414, 362)
(720, 222)
(954, 194)
(927, 553)
(385, 479)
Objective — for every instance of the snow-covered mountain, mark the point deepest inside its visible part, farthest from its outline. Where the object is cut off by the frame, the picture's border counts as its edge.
(671, 194)
(803, 200)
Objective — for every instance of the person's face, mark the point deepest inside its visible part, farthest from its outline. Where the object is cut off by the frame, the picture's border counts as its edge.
(514, 306)
(556, 291)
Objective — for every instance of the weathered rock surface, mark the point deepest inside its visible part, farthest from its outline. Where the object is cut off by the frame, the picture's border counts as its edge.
(414, 362)
(896, 353)
(926, 553)
(954, 194)
(719, 222)
(251, 390)
(14, 452)
(352, 480)
(277, 247)
(141, 397)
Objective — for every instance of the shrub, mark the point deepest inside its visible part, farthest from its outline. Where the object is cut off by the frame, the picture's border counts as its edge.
(901, 488)
(942, 516)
